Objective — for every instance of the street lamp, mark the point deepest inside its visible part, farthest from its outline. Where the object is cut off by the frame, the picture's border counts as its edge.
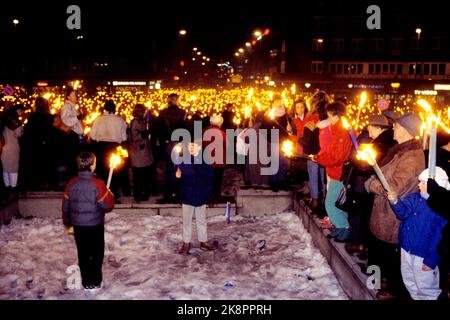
(418, 31)
(241, 50)
(182, 32)
(16, 22)
(248, 44)
(257, 33)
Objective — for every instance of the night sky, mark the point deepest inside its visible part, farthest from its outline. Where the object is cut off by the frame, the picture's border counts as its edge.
(132, 27)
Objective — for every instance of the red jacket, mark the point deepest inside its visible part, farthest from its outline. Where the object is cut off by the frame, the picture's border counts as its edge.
(337, 151)
(220, 159)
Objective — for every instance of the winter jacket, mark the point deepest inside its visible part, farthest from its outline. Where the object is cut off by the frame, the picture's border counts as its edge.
(438, 202)
(139, 144)
(420, 228)
(325, 133)
(401, 168)
(310, 137)
(213, 132)
(170, 119)
(336, 152)
(85, 201)
(298, 129)
(228, 117)
(279, 123)
(11, 150)
(197, 180)
(69, 116)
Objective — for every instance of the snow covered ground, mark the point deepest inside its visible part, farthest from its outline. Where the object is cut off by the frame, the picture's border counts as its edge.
(141, 263)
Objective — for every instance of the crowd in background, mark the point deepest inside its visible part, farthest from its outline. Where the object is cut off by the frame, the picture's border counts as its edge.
(404, 231)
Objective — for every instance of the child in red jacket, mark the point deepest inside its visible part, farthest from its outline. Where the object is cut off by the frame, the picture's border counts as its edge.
(333, 158)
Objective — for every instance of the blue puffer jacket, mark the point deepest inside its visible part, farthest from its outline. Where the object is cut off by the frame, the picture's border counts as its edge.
(86, 200)
(420, 228)
(196, 183)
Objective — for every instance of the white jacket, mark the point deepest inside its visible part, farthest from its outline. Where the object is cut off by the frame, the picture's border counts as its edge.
(69, 115)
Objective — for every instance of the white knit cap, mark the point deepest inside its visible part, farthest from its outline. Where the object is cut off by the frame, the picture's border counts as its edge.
(441, 177)
(216, 120)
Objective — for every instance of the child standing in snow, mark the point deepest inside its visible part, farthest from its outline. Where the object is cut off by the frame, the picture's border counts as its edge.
(419, 235)
(196, 187)
(86, 199)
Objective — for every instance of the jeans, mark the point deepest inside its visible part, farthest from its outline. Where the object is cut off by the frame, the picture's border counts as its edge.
(90, 246)
(338, 217)
(315, 171)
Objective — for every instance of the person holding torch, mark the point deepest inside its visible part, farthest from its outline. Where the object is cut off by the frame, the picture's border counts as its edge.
(332, 158)
(400, 168)
(419, 236)
(85, 202)
(196, 186)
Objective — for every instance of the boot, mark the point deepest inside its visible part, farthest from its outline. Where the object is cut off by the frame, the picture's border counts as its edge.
(185, 249)
(343, 235)
(206, 246)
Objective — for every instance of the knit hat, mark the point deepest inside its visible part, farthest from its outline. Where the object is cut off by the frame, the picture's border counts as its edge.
(411, 122)
(390, 114)
(441, 177)
(216, 120)
(377, 120)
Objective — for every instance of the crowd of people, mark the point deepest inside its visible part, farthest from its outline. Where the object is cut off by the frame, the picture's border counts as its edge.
(404, 231)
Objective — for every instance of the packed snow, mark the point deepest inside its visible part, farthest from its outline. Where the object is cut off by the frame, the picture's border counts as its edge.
(38, 256)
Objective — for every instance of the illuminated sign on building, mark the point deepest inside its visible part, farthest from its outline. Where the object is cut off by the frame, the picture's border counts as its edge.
(425, 92)
(129, 83)
(368, 86)
(442, 87)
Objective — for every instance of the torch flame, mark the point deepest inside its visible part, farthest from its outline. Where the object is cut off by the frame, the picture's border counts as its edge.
(345, 123)
(288, 148)
(293, 89)
(250, 94)
(247, 112)
(271, 114)
(367, 153)
(439, 123)
(424, 104)
(363, 99)
(116, 158)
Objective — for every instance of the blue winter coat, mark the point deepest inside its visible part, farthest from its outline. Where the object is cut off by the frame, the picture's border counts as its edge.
(420, 228)
(196, 183)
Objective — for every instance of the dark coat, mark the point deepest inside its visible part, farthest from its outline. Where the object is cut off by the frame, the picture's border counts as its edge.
(85, 201)
(279, 123)
(197, 180)
(438, 202)
(382, 144)
(170, 119)
(310, 139)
